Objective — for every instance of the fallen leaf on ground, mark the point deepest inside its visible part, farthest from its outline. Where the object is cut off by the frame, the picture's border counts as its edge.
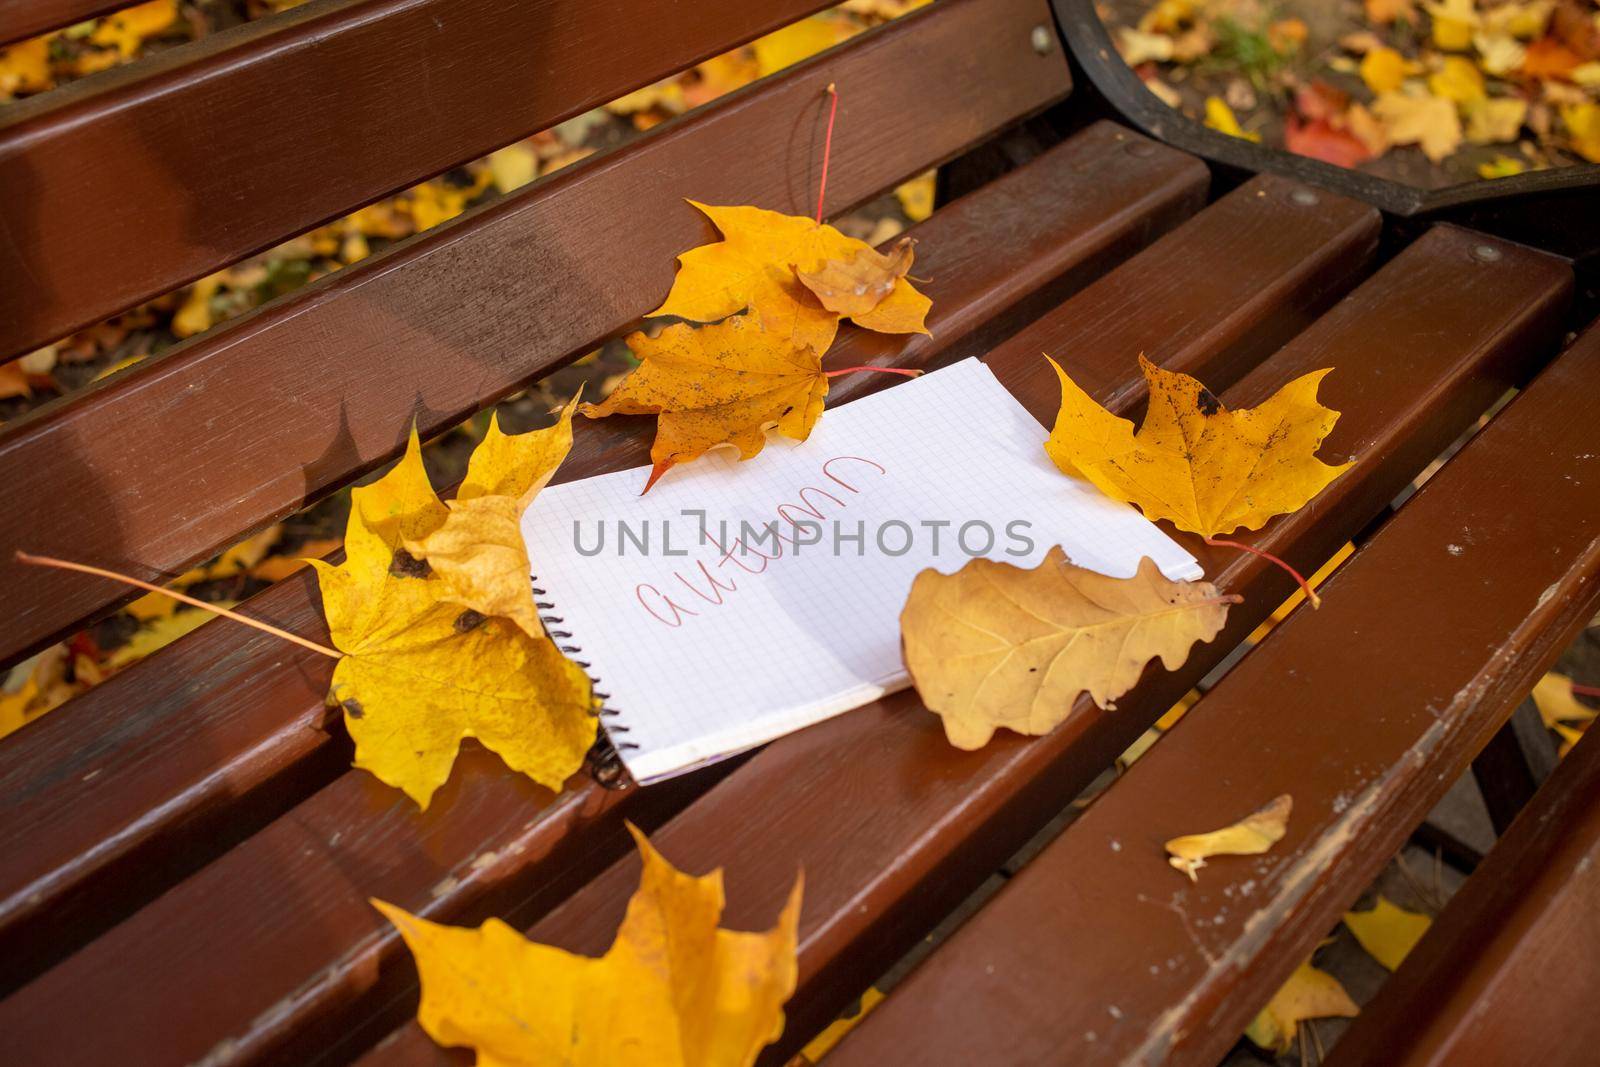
(999, 645)
(1207, 469)
(1250, 836)
(1383, 69)
(419, 673)
(277, 568)
(1387, 932)
(1458, 80)
(160, 632)
(1220, 117)
(1429, 122)
(718, 385)
(1321, 140)
(1556, 703)
(755, 266)
(1136, 46)
(916, 196)
(25, 67)
(838, 1030)
(126, 29)
(1583, 125)
(1384, 12)
(1501, 167)
(1308, 994)
(674, 989)
(799, 41)
(1453, 23)
(858, 284)
(1495, 121)
(478, 552)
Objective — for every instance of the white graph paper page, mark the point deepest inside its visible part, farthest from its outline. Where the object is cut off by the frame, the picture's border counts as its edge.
(707, 652)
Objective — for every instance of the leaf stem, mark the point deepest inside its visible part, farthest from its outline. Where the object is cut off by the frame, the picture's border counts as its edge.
(100, 572)
(827, 149)
(1585, 690)
(1305, 586)
(903, 371)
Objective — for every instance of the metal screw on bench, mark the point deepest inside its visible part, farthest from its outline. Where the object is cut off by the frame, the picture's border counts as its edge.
(1043, 40)
(1486, 253)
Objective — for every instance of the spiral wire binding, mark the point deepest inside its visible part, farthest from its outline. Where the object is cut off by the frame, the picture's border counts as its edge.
(604, 759)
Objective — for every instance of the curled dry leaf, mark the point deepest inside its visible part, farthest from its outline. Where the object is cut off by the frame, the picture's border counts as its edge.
(478, 552)
(999, 645)
(674, 989)
(1250, 836)
(1308, 994)
(419, 672)
(859, 283)
(755, 266)
(1387, 932)
(1206, 469)
(721, 384)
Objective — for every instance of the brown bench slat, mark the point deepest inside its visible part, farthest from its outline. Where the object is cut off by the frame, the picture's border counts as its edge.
(155, 777)
(1364, 712)
(1507, 973)
(21, 19)
(891, 824)
(125, 185)
(178, 464)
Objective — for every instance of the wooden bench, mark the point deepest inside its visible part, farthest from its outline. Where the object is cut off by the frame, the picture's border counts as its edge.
(185, 846)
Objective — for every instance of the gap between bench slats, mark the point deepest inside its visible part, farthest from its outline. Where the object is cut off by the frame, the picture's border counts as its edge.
(1036, 233)
(169, 461)
(131, 183)
(1506, 975)
(861, 801)
(1364, 712)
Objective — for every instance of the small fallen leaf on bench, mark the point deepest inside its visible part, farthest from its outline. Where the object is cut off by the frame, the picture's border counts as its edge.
(478, 552)
(999, 645)
(1250, 836)
(1308, 994)
(856, 285)
(717, 385)
(1387, 932)
(1206, 469)
(674, 989)
(755, 266)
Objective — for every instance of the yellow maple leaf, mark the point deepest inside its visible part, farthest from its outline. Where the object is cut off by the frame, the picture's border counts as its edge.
(999, 645)
(1383, 69)
(1556, 703)
(126, 30)
(1501, 167)
(478, 551)
(1387, 932)
(1429, 122)
(1250, 836)
(25, 67)
(419, 672)
(1458, 80)
(754, 267)
(1453, 23)
(1206, 469)
(1495, 121)
(800, 40)
(718, 385)
(1583, 124)
(673, 990)
(1308, 994)
(916, 195)
(1220, 117)
(858, 284)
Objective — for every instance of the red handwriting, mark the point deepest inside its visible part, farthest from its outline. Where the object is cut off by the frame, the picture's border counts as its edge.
(751, 552)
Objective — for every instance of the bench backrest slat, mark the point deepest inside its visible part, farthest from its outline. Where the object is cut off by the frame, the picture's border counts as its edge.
(125, 185)
(184, 453)
(21, 19)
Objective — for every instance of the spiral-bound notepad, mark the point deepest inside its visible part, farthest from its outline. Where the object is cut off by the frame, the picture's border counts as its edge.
(740, 601)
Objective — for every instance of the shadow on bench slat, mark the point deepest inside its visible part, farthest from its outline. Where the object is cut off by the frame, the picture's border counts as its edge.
(126, 185)
(492, 843)
(1507, 974)
(892, 825)
(1364, 712)
(163, 464)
